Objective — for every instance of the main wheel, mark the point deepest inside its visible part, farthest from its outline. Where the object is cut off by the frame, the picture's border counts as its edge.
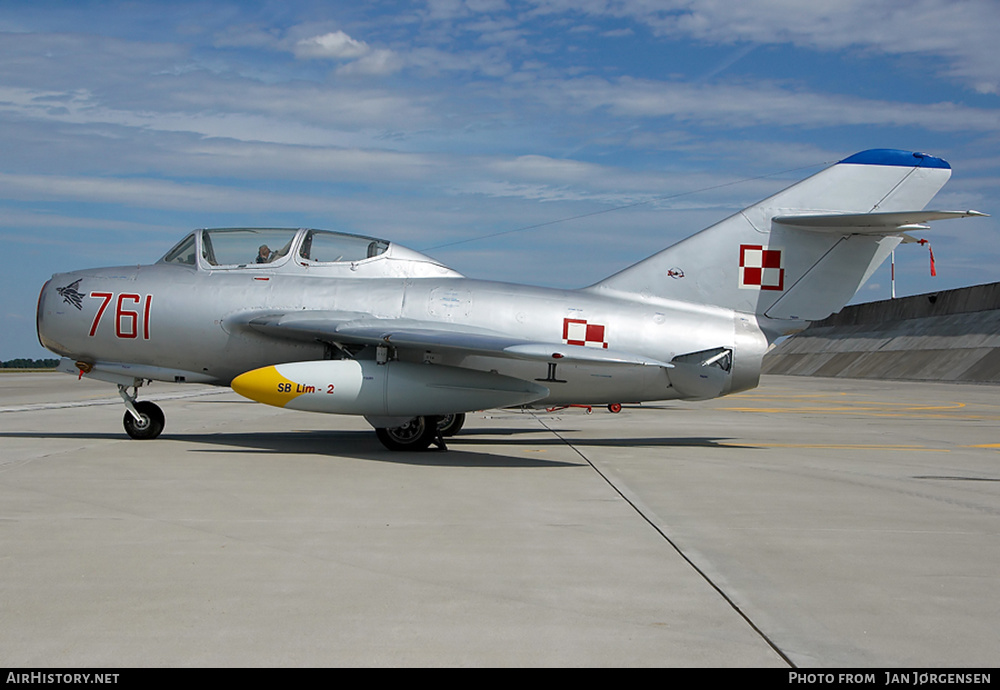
(451, 424)
(150, 422)
(417, 434)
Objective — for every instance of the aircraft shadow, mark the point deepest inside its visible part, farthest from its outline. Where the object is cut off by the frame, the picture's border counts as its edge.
(352, 444)
(652, 442)
(462, 449)
(469, 436)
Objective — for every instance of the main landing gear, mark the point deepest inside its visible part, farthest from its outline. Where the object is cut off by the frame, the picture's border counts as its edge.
(451, 424)
(420, 432)
(143, 419)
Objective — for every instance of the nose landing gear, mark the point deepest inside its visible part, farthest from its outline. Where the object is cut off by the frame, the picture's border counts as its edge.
(143, 419)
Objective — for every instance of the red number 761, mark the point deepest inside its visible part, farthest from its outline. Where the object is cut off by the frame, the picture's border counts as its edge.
(127, 321)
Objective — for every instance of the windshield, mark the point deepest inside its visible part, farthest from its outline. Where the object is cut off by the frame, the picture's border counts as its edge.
(183, 253)
(246, 246)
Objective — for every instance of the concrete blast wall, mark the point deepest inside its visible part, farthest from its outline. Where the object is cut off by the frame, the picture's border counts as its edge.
(945, 336)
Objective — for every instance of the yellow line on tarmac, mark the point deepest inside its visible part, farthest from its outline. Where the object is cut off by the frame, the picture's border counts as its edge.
(868, 408)
(937, 411)
(839, 446)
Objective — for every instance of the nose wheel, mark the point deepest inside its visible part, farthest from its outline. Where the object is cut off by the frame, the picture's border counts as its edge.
(143, 419)
(149, 423)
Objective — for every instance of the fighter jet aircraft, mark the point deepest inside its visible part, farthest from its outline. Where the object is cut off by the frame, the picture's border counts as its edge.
(329, 322)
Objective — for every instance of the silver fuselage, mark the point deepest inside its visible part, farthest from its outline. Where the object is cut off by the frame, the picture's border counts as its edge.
(187, 323)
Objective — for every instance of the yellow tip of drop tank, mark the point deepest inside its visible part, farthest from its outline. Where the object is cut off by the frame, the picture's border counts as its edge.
(266, 385)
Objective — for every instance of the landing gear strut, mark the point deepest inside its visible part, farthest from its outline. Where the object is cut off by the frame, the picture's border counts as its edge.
(143, 419)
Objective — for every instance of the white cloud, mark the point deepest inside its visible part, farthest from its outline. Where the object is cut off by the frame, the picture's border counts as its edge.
(335, 45)
(960, 32)
(245, 110)
(376, 62)
(361, 58)
(156, 194)
(761, 103)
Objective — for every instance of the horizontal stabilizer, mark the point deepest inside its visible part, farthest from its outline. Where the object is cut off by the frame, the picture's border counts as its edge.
(870, 223)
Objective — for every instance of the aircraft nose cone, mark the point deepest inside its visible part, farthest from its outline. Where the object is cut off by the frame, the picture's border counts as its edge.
(43, 298)
(59, 300)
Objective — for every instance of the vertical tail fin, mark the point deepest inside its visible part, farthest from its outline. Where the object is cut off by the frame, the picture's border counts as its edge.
(802, 253)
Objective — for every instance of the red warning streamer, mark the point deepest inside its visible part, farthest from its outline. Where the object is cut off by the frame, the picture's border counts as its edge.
(927, 242)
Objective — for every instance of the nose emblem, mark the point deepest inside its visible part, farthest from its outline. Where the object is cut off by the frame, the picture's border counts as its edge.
(71, 295)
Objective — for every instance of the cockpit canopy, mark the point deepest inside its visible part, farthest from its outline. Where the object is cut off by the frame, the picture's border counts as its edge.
(300, 251)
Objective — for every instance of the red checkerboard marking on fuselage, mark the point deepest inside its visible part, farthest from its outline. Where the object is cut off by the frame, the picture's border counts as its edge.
(580, 332)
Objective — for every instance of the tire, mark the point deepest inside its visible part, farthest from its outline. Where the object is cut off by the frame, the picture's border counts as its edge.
(451, 424)
(614, 408)
(150, 423)
(415, 435)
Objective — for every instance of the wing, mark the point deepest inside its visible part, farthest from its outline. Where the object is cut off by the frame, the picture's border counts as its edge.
(358, 328)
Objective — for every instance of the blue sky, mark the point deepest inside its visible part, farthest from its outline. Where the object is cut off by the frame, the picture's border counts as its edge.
(124, 125)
